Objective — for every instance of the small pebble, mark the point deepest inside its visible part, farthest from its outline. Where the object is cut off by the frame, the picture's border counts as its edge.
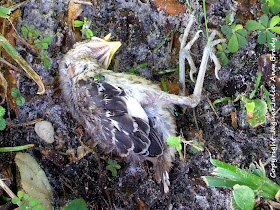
(45, 131)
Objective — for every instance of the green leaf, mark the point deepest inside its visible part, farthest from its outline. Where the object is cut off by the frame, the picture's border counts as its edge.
(15, 200)
(179, 147)
(220, 48)
(45, 45)
(276, 29)
(226, 30)
(273, 42)
(20, 194)
(33, 202)
(265, 9)
(118, 166)
(259, 113)
(230, 19)
(234, 205)
(250, 106)
(44, 53)
(37, 41)
(15, 92)
(112, 166)
(233, 44)
(89, 33)
(38, 207)
(4, 12)
(275, 10)
(264, 20)
(242, 32)
(26, 196)
(241, 40)
(244, 197)
(24, 31)
(274, 21)
(47, 39)
(78, 23)
(258, 169)
(224, 45)
(2, 111)
(253, 25)
(20, 101)
(173, 141)
(31, 27)
(262, 37)
(238, 27)
(75, 204)
(112, 169)
(223, 58)
(37, 33)
(6, 199)
(270, 3)
(30, 35)
(23, 206)
(47, 63)
(2, 124)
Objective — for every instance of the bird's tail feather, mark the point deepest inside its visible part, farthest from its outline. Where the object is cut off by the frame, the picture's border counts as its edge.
(162, 167)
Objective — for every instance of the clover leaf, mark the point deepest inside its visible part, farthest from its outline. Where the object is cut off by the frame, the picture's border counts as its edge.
(266, 29)
(221, 54)
(236, 35)
(174, 141)
(113, 166)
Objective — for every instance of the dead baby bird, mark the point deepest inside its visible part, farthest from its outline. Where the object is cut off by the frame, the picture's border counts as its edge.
(127, 114)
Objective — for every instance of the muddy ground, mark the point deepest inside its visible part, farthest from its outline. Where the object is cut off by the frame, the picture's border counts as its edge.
(141, 26)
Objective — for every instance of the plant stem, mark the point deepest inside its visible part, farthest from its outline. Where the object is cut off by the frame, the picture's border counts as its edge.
(205, 18)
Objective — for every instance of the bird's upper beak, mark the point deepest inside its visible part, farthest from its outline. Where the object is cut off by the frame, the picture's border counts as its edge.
(113, 47)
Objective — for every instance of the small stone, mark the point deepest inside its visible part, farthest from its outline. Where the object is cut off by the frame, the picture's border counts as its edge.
(45, 131)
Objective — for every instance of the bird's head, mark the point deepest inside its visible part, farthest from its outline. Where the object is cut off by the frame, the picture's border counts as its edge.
(100, 50)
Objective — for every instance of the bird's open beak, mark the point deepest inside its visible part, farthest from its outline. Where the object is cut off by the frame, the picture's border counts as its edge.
(114, 46)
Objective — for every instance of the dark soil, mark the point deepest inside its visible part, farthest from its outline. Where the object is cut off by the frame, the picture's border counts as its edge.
(141, 27)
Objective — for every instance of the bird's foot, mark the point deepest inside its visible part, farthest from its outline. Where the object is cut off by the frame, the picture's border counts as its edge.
(209, 51)
(211, 45)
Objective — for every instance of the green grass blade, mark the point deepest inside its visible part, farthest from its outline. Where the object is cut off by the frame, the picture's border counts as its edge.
(17, 148)
(219, 182)
(256, 85)
(219, 100)
(162, 42)
(267, 98)
(164, 87)
(27, 68)
(226, 170)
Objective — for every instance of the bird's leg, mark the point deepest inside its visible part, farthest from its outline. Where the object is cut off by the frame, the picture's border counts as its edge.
(208, 51)
(185, 54)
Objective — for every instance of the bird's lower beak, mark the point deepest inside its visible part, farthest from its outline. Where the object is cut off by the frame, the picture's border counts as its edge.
(114, 46)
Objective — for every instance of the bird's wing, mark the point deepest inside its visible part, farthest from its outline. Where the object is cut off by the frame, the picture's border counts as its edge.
(122, 120)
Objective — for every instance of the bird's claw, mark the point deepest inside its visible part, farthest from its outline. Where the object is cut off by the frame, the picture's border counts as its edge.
(209, 51)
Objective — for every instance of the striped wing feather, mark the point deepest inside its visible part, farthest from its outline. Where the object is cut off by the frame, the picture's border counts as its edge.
(111, 107)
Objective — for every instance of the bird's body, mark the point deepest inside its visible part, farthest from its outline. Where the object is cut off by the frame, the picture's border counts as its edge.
(123, 112)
